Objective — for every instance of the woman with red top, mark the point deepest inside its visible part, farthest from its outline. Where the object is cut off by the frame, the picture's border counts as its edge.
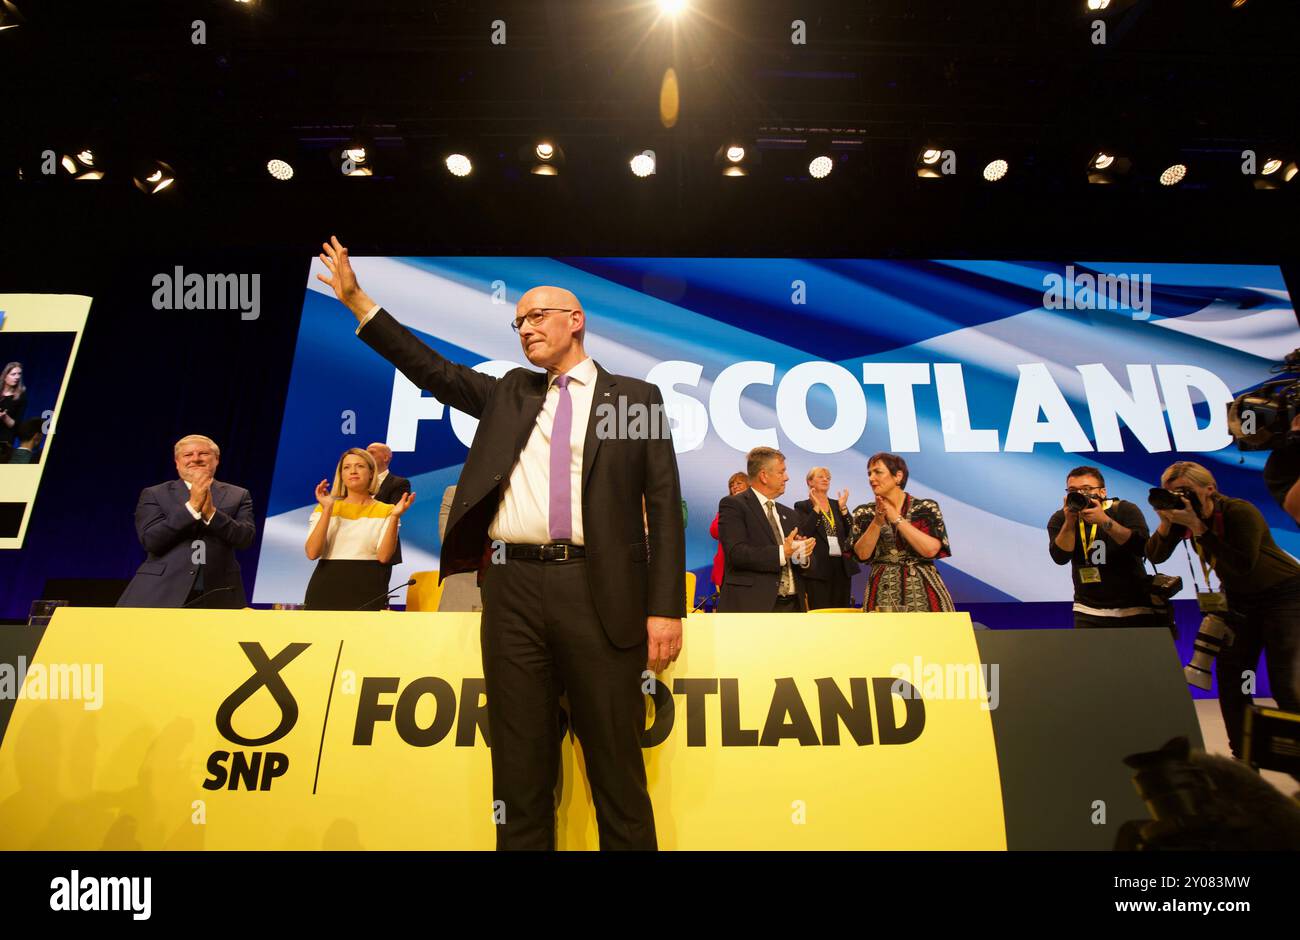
(736, 483)
(901, 537)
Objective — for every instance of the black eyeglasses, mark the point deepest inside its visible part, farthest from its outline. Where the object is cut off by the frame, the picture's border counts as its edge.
(535, 316)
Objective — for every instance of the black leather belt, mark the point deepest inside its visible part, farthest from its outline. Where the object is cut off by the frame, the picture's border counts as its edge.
(558, 551)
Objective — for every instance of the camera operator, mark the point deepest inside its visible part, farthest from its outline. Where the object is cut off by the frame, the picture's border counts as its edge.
(1282, 472)
(1259, 581)
(1103, 540)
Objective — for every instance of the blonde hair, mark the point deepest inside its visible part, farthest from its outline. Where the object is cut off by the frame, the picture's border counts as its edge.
(176, 450)
(735, 478)
(813, 472)
(339, 491)
(1189, 470)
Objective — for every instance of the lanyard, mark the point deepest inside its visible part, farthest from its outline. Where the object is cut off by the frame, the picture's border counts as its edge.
(1201, 553)
(1089, 537)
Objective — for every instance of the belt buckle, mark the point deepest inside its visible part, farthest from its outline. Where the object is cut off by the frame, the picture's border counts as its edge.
(558, 557)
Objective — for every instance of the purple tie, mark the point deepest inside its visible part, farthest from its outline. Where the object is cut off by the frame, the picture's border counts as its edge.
(561, 456)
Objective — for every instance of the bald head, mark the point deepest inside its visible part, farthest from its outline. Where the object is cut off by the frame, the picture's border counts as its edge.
(383, 455)
(554, 342)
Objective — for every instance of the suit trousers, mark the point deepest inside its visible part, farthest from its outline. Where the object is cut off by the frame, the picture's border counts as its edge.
(541, 636)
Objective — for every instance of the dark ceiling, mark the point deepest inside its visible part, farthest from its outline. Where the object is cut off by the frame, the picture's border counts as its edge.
(1194, 80)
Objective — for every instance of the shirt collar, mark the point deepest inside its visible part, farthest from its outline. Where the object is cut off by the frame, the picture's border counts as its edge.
(584, 373)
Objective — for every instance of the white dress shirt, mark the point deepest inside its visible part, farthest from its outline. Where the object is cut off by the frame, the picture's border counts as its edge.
(524, 516)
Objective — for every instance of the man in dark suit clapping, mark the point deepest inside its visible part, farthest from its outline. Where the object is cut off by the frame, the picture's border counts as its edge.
(191, 527)
(583, 599)
(761, 543)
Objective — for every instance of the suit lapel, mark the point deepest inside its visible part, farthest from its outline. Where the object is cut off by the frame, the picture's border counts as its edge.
(605, 386)
(530, 405)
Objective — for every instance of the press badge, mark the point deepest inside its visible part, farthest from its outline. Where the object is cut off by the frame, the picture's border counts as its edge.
(1090, 575)
(1212, 602)
(833, 543)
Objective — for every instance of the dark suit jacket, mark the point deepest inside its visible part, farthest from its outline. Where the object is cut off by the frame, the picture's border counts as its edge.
(752, 552)
(626, 586)
(390, 491)
(820, 568)
(167, 532)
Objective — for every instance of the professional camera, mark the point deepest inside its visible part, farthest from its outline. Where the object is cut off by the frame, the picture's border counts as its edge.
(1161, 498)
(1077, 502)
(1213, 635)
(1261, 418)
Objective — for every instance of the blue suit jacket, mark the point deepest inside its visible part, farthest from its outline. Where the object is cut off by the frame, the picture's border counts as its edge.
(168, 532)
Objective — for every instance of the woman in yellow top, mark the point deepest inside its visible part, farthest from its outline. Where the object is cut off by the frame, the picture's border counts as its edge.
(354, 536)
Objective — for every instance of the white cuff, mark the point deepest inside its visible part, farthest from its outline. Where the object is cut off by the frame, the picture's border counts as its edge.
(366, 319)
(198, 516)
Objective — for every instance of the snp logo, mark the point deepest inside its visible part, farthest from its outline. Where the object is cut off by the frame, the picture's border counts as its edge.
(257, 769)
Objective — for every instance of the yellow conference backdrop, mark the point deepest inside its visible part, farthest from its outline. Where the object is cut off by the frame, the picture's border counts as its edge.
(250, 729)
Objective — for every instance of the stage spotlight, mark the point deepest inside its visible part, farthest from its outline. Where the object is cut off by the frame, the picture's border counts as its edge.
(995, 170)
(355, 160)
(820, 167)
(1173, 175)
(279, 169)
(154, 177)
(1275, 173)
(1098, 4)
(643, 164)
(930, 162)
(82, 166)
(1106, 166)
(733, 158)
(459, 165)
(543, 158)
(9, 16)
(672, 7)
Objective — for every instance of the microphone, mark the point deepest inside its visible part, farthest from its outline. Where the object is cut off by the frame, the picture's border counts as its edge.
(711, 597)
(205, 595)
(386, 594)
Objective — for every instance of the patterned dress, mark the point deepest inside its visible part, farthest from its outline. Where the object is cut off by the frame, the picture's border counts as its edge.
(900, 577)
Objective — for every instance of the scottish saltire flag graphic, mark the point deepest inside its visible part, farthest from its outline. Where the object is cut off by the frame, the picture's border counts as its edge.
(993, 379)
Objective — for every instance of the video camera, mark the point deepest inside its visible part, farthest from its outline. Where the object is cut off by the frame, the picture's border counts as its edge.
(1261, 418)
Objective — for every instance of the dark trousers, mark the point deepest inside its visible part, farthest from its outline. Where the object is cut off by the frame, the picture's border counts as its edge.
(833, 592)
(1267, 623)
(541, 635)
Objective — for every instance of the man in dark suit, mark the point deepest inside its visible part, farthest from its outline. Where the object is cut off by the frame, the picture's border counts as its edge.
(576, 597)
(191, 528)
(391, 488)
(761, 542)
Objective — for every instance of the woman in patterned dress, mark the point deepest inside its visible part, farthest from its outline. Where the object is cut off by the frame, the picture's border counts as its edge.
(901, 537)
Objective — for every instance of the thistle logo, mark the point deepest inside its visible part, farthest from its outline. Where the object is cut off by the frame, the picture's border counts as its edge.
(259, 769)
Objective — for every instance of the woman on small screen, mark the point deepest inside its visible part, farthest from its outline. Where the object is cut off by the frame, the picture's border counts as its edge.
(354, 536)
(13, 400)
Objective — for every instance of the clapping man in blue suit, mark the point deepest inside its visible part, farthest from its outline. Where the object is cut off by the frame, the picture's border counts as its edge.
(191, 528)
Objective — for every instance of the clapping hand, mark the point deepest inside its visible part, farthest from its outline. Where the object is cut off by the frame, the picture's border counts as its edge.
(324, 497)
(403, 504)
(844, 501)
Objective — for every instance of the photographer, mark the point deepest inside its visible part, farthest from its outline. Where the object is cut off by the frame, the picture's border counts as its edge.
(1103, 540)
(1260, 586)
